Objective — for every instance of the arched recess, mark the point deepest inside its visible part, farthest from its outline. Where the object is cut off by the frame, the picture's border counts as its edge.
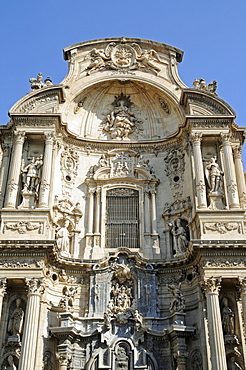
(154, 109)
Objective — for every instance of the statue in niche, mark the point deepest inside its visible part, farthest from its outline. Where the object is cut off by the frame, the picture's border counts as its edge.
(177, 304)
(227, 318)
(121, 121)
(31, 174)
(214, 176)
(15, 325)
(179, 237)
(63, 238)
(121, 360)
(11, 365)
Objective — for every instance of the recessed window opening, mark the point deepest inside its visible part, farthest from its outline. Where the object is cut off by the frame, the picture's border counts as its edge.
(122, 218)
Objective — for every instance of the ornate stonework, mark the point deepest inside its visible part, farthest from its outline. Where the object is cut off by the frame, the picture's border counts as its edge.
(122, 208)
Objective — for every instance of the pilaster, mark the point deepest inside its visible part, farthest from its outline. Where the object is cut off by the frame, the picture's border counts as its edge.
(240, 176)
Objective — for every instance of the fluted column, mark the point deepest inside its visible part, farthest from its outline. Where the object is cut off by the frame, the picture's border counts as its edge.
(218, 356)
(199, 172)
(64, 360)
(29, 339)
(14, 170)
(240, 176)
(230, 174)
(153, 209)
(3, 287)
(4, 171)
(46, 171)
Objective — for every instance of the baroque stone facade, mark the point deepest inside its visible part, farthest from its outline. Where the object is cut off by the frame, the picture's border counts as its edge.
(122, 201)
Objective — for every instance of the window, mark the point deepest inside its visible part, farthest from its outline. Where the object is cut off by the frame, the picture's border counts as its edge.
(122, 218)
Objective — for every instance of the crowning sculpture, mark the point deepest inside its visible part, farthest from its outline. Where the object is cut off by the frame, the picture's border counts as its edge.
(122, 218)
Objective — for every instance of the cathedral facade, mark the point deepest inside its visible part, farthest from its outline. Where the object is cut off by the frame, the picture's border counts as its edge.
(122, 203)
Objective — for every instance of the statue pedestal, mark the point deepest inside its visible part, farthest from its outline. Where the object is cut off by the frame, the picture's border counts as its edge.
(215, 201)
(28, 200)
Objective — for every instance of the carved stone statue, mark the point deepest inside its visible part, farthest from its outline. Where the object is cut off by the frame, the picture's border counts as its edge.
(121, 360)
(227, 317)
(120, 122)
(47, 362)
(63, 238)
(37, 83)
(15, 325)
(179, 236)
(67, 299)
(214, 176)
(31, 174)
(177, 304)
(11, 365)
(201, 84)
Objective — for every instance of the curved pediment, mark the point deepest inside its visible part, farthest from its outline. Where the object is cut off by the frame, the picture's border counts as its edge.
(124, 111)
(43, 100)
(197, 102)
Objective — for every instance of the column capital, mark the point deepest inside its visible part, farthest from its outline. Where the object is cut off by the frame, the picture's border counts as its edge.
(19, 136)
(211, 285)
(49, 137)
(196, 137)
(64, 358)
(35, 286)
(226, 138)
(237, 151)
(3, 287)
(242, 286)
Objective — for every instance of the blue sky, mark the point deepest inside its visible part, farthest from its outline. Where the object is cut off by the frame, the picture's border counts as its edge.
(211, 33)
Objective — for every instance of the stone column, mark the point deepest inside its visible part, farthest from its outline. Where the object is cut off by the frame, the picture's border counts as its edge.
(3, 287)
(14, 170)
(153, 209)
(218, 356)
(46, 171)
(147, 212)
(4, 172)
(64, 360)
(240, 176)
(196, 138)
(91, 211)
(29, 339)
(230, 174)
(242, 282)
(97, 215)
